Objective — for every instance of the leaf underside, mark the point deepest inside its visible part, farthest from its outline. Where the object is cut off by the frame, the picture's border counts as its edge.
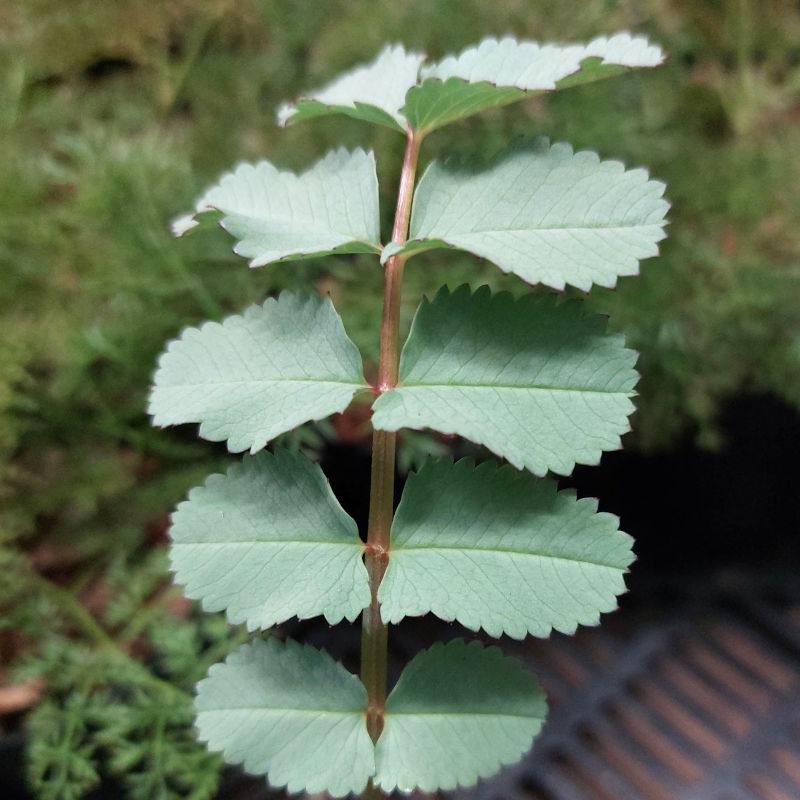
(259, 374)
(501, 550)
(289, 711)
(497, 72)
(397, 90)
(544, 213)
(540, 384)
(268, 541)
(373, 92)
(458, 713)
(280, 216)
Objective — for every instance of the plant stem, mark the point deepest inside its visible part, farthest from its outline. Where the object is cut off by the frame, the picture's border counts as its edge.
(393, 276)
(374, 632)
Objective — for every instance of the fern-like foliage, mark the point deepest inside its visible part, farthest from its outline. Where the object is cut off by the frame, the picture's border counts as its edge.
(106, 714)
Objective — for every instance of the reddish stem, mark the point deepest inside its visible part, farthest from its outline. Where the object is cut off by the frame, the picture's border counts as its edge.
(374, 632)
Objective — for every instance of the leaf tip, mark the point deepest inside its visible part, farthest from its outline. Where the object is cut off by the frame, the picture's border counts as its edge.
(182, 225)
(285, 113)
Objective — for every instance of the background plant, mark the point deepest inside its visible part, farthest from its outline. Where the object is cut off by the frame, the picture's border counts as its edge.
(537, 382)
(86, 133)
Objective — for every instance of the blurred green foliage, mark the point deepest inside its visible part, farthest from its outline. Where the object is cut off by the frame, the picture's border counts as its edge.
(114, 116)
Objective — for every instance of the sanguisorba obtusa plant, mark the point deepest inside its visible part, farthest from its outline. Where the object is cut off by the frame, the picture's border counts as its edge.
(539, 382)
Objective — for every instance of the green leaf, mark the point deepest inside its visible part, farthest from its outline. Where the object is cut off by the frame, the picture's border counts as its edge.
(458, 713)
(258, 374)
(289, 711)
(501, 550)
(544, 213)
(373, 92)
(540, 384)
(149, 746)
(435, 102)
(497, 72)
(396, 88)
(268, 541)
(280, 216)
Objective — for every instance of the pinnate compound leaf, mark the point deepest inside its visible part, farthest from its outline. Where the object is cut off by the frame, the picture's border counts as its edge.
(258, 374)
(268, 541)
(458, 713)
(291, 712)
(541, 384)
(373, 92)
(501, 550)
(497, 72)
(397, 89)
(280, 216)
(543, 212)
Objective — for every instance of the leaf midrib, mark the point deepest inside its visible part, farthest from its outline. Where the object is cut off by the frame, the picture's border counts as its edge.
(401, 548)
(390, 714)
(251, 381)
(535, 387)
(358, 545)
(537, 229)
(311, 228)
(284, 710)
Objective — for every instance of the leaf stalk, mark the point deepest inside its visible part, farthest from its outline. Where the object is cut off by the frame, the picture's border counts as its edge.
(374, 632)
